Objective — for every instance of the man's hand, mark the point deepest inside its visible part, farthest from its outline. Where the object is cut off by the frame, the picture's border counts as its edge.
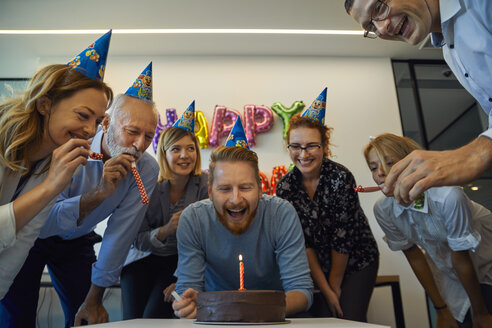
(91, 314)
(421, 169)
(115, 169)
(186, 308)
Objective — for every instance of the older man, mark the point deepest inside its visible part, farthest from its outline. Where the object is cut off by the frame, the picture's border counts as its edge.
(101, 189)
(463, 29)
(237, 219)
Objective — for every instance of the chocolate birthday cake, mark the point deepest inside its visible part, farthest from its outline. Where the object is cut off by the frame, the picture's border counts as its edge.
(241, 306)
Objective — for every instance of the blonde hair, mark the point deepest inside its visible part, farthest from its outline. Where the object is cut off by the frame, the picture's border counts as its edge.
(387, 145)
(22, 126)
(298, 121)
(233, 154)
(168, 138)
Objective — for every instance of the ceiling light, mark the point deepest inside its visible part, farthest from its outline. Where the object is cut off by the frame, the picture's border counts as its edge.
(474, 188)
(188, 31)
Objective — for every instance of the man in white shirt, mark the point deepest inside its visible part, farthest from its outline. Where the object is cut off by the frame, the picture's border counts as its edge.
(462, 29)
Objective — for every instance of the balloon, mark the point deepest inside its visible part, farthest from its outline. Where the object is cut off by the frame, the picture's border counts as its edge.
(277, 173)
(201, 129)
(158, 131)
(222, 123)
(258, 119)
(287, 112)
(265, 186)
(230, 118)
(171, 116)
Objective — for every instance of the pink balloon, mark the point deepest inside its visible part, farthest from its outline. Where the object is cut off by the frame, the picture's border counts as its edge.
(230, 118)
(249, 124)
(217, 125)
(263, 119)
(258, 119)
(222, 123)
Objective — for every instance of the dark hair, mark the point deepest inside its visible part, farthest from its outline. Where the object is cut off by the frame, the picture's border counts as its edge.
(233, 154)
(297, 121)
(348, 5)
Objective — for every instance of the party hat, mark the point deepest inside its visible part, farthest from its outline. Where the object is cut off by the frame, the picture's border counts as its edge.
(316, 111)
(237, 137)
(187, 121)
(142, 87)
(92, 61)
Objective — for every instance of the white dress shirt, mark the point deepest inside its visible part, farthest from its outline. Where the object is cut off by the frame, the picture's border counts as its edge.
(444, 220)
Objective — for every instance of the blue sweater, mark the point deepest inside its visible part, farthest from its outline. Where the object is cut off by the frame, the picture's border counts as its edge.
(273, 250)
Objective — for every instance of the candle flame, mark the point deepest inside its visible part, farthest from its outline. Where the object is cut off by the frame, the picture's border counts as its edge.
(240, 257)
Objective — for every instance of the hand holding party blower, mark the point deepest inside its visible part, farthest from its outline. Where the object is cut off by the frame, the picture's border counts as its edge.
(141, 188)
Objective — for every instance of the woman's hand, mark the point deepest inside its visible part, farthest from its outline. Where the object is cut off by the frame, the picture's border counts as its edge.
(445, 319)
(170, 227)
(64, 161)
(168, 297)
(333, 300)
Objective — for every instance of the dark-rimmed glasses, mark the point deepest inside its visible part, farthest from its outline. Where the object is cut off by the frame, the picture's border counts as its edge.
(380, 12)
(295, 148)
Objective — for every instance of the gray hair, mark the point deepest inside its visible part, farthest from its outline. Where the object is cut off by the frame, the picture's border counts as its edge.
(119, 100)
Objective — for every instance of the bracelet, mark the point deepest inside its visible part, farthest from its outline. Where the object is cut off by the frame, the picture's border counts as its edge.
(442, 307)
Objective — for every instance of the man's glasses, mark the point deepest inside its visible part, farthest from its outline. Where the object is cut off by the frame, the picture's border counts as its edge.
(379, 13)
(294, 148)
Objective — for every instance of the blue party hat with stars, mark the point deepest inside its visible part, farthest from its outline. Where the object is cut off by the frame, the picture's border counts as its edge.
(187, 121)
(316, 111)
(237, 137)
(92, 61)
(142, 87)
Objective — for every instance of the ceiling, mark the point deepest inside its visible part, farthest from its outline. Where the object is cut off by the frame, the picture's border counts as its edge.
(191, 14)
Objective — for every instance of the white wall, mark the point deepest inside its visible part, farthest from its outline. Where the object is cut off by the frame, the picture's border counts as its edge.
(361, 103)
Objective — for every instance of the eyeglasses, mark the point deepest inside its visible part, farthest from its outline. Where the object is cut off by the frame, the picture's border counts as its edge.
(379, 13)
(294, 148)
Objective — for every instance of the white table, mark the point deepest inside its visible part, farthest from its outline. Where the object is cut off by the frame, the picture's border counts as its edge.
(188, 323)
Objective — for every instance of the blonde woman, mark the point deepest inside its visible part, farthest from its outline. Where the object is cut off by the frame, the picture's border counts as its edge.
(454, 232)
(43, 139)
(153, 258)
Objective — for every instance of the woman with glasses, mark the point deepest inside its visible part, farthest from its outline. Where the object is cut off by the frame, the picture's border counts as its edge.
(152, 260)
(341, 250)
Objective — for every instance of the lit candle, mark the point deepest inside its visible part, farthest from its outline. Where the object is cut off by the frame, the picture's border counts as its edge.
(241, 273)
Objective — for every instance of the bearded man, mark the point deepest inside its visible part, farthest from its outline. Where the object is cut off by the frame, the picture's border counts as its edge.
(238, 219)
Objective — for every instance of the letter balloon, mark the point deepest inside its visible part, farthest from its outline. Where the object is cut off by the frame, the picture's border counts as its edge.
(157, 134)
(258, 119)
(201, 129)
(286, 113)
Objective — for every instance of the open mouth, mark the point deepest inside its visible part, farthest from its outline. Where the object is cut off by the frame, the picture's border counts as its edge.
(236, 214)
(304, 162)
(403, 28)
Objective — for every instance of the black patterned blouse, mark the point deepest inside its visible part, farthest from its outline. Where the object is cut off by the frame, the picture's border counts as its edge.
(334, 219)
